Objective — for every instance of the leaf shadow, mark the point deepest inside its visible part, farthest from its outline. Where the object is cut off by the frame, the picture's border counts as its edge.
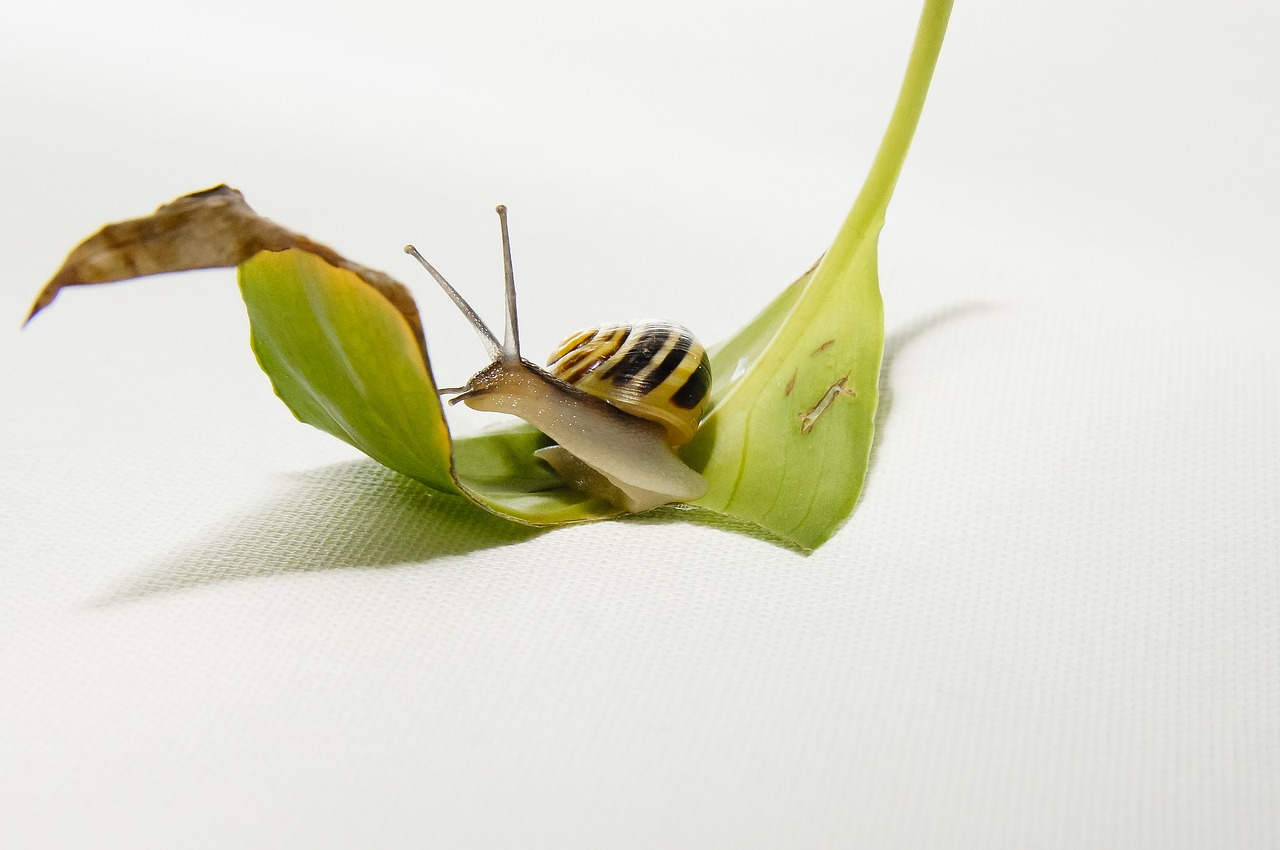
(356, 514)
(695, 515)
(359, 514)
(893, 346)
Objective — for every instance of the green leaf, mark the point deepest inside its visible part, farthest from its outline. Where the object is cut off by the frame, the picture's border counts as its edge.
(730, 359)
(787, 445)
(343, 358)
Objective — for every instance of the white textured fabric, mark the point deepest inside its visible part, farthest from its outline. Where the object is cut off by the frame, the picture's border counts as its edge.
(1053, 620)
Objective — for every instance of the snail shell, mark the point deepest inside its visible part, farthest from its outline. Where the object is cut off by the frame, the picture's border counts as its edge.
(655, 370)
(617, 401)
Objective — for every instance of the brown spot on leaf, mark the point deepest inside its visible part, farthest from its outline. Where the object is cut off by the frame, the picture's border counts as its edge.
(809, 418)
(791, 384)
(823, 347)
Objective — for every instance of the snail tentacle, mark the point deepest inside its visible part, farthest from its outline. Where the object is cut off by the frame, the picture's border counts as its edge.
(617, 400)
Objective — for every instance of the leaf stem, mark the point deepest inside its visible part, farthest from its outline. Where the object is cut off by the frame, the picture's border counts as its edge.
(868, 210)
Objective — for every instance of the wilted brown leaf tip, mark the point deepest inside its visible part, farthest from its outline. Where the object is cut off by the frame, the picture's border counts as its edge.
(213, 228)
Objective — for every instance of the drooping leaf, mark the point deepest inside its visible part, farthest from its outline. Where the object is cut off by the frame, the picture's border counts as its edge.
(343, 359)
(211, 229)
(785, 445)
(343, 345)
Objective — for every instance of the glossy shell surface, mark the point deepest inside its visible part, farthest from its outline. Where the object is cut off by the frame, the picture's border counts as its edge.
(653, 370)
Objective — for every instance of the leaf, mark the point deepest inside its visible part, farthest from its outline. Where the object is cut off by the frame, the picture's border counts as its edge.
(785, 446)
(343, 359)
(788, 442)
(730, 359)
(211, 229)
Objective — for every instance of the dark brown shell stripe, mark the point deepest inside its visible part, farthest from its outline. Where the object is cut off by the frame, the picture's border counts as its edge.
(675, 352)
(635, 359)
(654, 370)
(584, 351)
(695, 389)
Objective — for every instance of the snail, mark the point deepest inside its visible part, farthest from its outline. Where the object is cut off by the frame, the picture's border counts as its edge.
(617, 400)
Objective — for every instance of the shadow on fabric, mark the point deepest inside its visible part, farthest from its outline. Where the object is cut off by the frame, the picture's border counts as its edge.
(353, 514)
(361, 514)
(893, 346)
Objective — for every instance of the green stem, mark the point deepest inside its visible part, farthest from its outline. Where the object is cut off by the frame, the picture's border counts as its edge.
(868, 210)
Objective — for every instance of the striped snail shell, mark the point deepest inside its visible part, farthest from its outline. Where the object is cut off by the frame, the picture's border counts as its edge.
(655, 370)
(617, 400)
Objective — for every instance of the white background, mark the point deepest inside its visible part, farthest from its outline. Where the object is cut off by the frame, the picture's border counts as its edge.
(1053, 621)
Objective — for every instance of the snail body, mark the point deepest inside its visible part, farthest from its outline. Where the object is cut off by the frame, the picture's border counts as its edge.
(617, 400)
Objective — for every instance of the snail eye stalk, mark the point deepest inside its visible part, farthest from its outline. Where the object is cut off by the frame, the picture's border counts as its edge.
(487, 337)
